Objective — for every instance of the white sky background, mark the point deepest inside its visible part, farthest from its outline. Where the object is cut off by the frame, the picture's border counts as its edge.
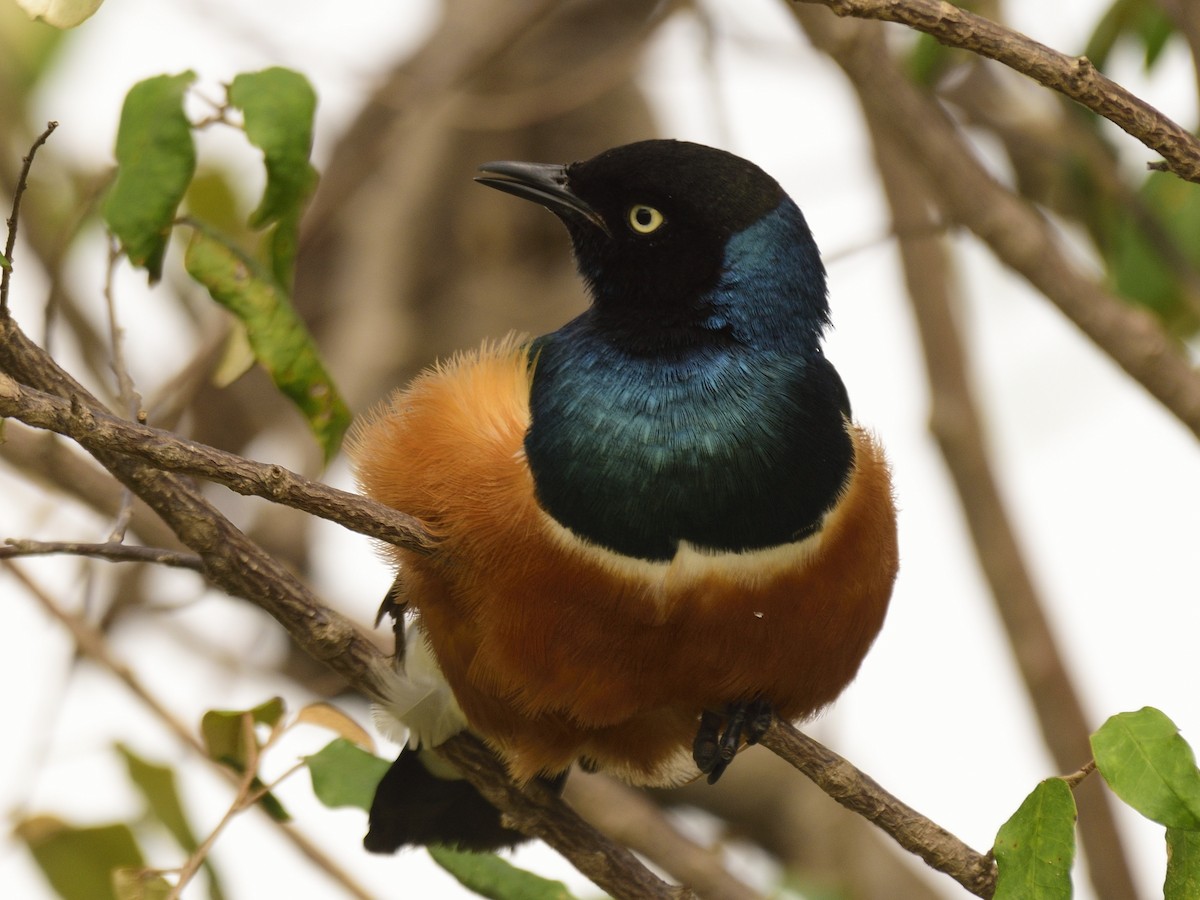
(1089, 464)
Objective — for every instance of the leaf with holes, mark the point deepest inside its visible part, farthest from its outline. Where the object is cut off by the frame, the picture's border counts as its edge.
(278, 106)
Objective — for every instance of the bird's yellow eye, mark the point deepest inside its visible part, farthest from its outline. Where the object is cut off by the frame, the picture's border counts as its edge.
(644, 219)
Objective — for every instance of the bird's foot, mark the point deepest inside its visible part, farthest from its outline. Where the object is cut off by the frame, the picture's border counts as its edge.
(713, 749)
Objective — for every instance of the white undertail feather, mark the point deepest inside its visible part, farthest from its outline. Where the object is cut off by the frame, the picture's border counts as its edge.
(419, 707)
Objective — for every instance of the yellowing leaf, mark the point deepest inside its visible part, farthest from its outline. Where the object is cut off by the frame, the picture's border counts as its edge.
(60, 13)
(277, 335)
(333, 719)
(79, 862)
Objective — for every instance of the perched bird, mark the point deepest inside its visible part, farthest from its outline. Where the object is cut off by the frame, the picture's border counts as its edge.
(657, 525)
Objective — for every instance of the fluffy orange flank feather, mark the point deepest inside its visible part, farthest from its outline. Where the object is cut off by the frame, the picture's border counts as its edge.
(557, 649)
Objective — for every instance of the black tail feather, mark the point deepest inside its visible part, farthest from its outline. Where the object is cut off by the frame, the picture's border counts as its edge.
(414, 806)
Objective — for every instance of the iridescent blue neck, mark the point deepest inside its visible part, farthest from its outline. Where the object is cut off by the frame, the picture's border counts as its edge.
(718, 421)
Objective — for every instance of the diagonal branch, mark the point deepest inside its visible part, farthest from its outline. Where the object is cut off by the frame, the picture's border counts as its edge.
(1016, 232)
(913, 193)
(537, 811)
(91, 643)
(234, 563)
(1072, 76)
(237, 565)
(860, 793)
(955, 423)
(93, 428)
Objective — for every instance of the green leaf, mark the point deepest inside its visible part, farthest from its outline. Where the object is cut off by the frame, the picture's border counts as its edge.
(277, 335)
(1035, 848)
(343, 774)
(1115, 22)
(278, 106)
(1183, 865)
(79, 862)
(224, 733)
(155, 161)
(157, 785)
(1150, 767)
(224, 739)
(490, 876)
(212, 199)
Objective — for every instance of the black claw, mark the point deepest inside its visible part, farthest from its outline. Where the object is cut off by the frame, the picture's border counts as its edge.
(705, 749)
(759, 717)
(732, 737)
(715, 748)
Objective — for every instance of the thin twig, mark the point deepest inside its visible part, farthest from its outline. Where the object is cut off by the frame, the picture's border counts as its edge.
(112, 551)
(126, 390)
(14, 217)
(131, 401)
(245, 788)
(233, 562)
(1076, 778)
(45, 458)
(91, 644)
(1072, 76)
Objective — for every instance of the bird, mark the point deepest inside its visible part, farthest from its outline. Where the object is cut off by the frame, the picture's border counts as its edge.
(658, 526)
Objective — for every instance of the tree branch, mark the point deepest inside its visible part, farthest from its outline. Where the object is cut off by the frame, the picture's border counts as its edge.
(42, 457)
(237, 565)
(860, 793)
(93, 428)
(628, 816)
(1014, 230)
(113, 551)
(91, 644)
(535, 810)
(234, 563)
(959, 431)
(1072, 76)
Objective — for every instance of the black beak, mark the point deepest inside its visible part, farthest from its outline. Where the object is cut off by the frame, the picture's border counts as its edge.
(543, 183)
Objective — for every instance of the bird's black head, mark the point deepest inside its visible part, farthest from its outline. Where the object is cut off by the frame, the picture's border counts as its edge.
(662, 229)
